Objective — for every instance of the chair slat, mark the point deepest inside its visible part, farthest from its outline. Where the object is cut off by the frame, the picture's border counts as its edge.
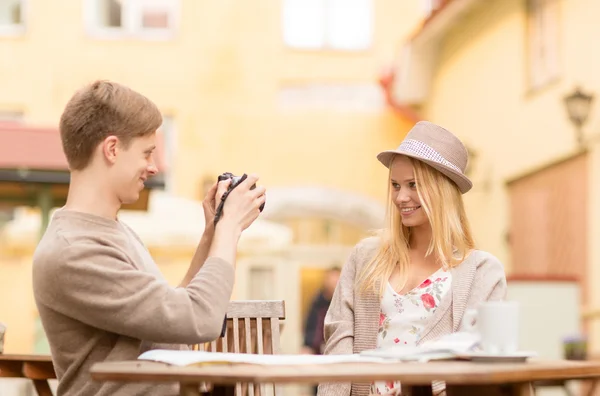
(259, 336)
(236, 349)
(260, 390)
(236, 336)
(275, 346)
(248, 334)
(225, 341)
(248, 337)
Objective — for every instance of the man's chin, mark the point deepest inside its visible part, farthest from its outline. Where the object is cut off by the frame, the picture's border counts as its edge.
(130, 200)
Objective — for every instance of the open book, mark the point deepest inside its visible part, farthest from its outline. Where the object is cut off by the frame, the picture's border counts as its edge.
(188, 358)
(449, 347)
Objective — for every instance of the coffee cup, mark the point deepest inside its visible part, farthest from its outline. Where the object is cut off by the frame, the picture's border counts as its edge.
(497, 324)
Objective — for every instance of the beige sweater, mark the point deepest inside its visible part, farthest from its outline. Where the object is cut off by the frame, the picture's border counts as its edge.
(351, 323)
(102, 298)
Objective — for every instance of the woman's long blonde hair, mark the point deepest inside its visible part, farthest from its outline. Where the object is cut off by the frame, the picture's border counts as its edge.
(451, 233)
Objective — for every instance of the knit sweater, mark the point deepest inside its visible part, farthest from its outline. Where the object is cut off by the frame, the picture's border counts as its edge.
(351, 323)
(101, 298)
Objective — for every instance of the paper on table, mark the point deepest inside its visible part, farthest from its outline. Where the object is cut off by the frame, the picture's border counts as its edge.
(187, 358)
(447, 347)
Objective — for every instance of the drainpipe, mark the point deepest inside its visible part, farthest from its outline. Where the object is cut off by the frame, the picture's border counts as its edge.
(44, 202)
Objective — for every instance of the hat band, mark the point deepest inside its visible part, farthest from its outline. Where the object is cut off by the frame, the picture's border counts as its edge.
(424, 151)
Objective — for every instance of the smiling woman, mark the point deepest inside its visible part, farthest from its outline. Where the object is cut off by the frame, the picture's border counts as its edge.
(392, 285)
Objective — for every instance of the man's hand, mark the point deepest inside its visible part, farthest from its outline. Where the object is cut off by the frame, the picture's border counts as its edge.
(211, 202)
(242, 204)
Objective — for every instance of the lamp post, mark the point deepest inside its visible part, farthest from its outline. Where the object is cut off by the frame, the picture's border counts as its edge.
(578, 106)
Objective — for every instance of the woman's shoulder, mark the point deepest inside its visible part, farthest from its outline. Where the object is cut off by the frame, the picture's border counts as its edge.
(483, 258)
(366, 247)
(364, 250)
(486, 263)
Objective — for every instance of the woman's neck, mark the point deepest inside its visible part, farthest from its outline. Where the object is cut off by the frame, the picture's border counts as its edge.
(420, 238)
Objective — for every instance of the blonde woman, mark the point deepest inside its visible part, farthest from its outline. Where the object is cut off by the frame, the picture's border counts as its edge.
(414, 282)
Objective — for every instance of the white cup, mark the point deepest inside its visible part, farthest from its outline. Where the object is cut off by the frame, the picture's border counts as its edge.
(497, 323)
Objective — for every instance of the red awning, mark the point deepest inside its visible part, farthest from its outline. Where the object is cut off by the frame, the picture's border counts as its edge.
(32, 162)
(24, 146)
(27, 147)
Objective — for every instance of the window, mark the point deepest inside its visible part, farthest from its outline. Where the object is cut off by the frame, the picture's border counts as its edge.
(328, 24)
(145, 18)
(543, 42)
(11, 16)
(332, 97)
(261, 284)
(169, 141)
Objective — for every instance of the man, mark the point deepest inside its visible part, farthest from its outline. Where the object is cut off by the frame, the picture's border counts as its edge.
(313, 329)
(100, 295)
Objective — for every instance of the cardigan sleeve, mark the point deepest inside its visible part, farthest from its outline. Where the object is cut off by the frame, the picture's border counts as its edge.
(489, 283)
(339, 323)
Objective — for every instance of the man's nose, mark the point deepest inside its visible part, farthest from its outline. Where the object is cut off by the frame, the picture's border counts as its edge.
(152, 169)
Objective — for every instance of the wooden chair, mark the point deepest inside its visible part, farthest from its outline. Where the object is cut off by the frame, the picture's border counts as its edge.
(253, 326)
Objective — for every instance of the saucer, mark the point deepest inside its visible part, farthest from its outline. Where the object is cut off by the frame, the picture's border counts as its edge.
(483, 357)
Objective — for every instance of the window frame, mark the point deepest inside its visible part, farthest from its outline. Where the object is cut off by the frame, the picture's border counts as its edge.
(326, 41)
(20, 28)
(131, 17)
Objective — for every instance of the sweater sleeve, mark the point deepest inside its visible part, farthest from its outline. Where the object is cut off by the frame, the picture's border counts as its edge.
(99, 287)
(339, 323)
(491, 281)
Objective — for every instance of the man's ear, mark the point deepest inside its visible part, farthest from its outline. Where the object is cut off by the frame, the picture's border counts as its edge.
(110, 148)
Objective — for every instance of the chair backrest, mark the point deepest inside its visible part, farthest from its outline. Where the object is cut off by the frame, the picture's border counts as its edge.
(253, 326)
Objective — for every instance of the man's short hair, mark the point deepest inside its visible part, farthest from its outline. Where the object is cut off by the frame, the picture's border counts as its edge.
(101, 109)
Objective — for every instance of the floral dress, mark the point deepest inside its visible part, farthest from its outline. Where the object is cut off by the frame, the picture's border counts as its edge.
(403, 317)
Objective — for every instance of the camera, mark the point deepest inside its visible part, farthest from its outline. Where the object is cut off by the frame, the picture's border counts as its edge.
(235, 181)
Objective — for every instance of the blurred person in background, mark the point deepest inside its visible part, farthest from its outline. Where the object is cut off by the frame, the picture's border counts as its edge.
(414, 281)
(313, 328)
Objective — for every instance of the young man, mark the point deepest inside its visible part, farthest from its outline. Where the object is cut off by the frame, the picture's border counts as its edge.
(100, 295)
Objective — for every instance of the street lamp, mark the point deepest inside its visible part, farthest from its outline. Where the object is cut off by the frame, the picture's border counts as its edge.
(578, 106)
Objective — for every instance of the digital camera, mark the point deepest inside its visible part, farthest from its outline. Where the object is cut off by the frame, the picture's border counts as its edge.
(235, 181)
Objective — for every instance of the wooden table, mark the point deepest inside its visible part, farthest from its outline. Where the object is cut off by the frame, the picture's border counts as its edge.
(38, 368)
(462, 378)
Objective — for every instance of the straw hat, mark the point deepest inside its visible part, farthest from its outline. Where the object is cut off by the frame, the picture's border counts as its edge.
(438, 148)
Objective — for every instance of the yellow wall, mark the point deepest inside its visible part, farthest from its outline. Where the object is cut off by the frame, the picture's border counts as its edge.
(480, 92)
(220, 79)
